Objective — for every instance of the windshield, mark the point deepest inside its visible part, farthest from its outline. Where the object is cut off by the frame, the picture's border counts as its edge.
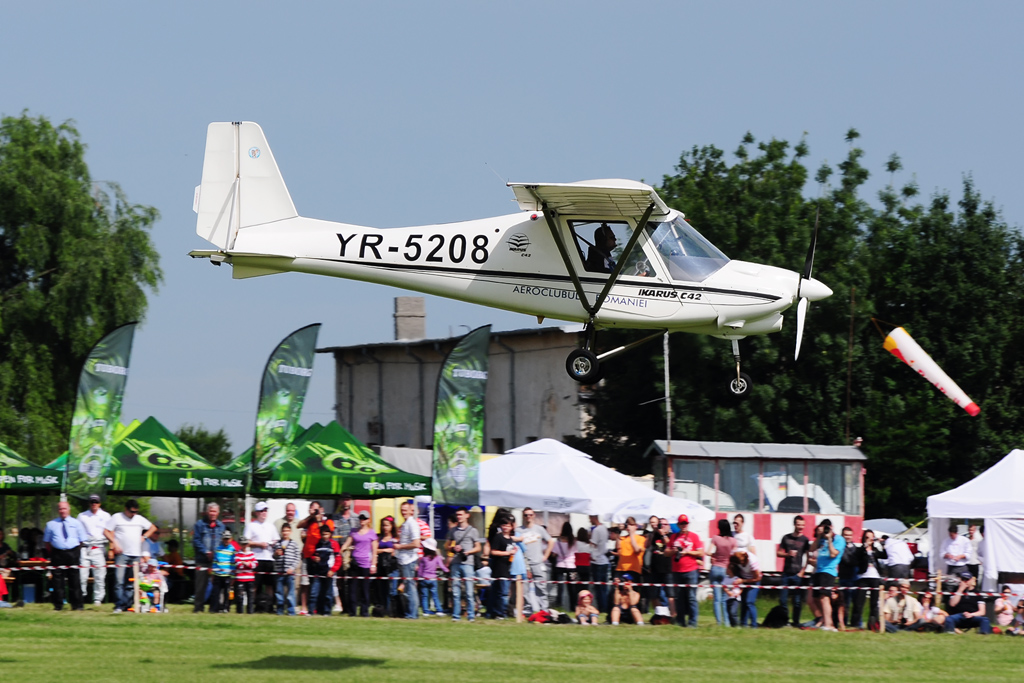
(685, 252)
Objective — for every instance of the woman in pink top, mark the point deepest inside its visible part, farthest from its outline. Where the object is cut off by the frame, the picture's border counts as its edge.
(364, 543)
(565, 565)
(720, 549)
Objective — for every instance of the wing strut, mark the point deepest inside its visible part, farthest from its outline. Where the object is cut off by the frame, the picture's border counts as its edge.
(549, 217)
(627, 250)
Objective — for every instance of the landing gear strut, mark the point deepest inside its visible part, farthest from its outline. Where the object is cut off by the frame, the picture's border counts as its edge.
(740, 385)
(585, 367)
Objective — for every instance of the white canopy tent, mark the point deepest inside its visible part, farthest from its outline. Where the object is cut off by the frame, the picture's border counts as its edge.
(548, 475)
(997, 496)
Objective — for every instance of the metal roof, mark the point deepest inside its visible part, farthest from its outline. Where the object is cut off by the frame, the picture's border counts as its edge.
(756, 451)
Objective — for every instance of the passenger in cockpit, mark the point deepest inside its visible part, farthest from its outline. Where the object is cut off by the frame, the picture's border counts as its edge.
(599, 256)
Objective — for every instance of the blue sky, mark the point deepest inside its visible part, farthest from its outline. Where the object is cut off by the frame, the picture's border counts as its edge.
(394, 113)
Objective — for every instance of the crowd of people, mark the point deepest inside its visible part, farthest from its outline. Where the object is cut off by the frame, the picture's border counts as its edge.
(333, 563)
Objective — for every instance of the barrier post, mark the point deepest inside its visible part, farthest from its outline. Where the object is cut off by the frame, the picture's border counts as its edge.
(519, 599)
(881, 605)
(135, 585)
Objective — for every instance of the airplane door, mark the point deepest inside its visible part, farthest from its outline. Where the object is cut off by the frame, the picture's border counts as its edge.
(643, 288)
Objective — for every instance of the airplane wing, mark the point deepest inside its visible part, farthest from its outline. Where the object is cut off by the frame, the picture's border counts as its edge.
(616, 197)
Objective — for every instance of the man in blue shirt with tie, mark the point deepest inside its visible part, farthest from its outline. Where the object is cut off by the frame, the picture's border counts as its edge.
(64, 537)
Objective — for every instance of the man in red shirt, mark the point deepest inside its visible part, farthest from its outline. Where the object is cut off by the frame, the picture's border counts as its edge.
(687, 559)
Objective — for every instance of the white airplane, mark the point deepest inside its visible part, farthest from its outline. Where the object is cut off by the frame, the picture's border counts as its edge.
(606, 253)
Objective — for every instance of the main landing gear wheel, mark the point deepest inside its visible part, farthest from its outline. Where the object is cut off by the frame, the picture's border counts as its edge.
(740, 386)
(582, 366)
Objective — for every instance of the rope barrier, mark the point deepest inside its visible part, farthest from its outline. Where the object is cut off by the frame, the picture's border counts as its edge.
(819, 589)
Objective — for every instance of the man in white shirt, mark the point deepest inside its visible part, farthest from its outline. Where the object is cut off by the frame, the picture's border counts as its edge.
(975, 537)
(94, 550)
(537, 546)
(407, 547)
(899, 558)
(956, 551)
(125, 531)
(262, 535)
(599, 565)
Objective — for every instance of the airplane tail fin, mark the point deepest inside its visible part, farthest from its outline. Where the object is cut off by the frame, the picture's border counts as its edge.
(241, 187)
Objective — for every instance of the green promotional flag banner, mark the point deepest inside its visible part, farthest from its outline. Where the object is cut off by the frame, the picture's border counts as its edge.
(243, 461)
(150, 459)
(18, 475)
(328, 461)
(285, 380)
(459, 423)
(97, 411)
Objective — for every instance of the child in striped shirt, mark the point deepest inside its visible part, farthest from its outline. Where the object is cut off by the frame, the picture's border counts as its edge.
(287, 557)
(245, 579)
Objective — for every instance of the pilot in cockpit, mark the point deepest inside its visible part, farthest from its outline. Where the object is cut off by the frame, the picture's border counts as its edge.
(599, 256)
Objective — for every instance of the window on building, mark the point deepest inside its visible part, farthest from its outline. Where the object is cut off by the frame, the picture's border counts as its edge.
(834, 487)
(497, 445)
(783, 486)
(739, 490)
(695, 480)
(851, 488)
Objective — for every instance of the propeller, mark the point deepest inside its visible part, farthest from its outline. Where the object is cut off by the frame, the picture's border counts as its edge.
(804, 303)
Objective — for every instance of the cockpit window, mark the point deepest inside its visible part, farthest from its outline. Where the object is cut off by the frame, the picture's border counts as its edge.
(601, 244)
(688, 256)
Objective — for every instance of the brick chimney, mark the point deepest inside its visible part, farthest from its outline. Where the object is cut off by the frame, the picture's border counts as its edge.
(410, 318)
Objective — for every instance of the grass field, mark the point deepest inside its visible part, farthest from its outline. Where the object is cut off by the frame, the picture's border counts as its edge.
(39, 644)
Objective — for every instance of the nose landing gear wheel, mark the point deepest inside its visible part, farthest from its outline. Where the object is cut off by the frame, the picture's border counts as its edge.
(582, 366)
(740, 386)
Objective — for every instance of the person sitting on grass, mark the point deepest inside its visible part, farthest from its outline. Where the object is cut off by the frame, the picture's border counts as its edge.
(932, 617)
(902, 612)
(1003, 608)
(966, 609)
(625, 603)
(586, 613)
(245, 578)
(1017, 628)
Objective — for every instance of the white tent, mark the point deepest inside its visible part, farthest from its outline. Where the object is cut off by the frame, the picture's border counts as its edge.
(997, 496)
(548, 475)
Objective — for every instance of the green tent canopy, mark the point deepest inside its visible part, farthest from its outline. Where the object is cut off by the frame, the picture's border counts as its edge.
(330, 461)
(148, 459)
(243, 461)
(19, 476)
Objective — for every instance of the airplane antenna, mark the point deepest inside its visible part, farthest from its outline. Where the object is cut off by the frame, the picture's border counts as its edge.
(504, 181)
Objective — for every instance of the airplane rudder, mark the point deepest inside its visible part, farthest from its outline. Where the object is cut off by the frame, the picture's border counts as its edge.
(266, 197)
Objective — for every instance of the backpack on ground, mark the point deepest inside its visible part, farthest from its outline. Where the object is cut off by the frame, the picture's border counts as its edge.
(777, 617)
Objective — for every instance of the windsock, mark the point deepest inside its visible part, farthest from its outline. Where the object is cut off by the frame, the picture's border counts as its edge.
(903, 346)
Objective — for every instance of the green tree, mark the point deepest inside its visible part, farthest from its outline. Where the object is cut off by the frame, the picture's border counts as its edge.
(952, 277)
(214, 446)
(76, 260)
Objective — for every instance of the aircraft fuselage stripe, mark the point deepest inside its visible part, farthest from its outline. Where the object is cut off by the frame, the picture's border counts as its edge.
(540, 276)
